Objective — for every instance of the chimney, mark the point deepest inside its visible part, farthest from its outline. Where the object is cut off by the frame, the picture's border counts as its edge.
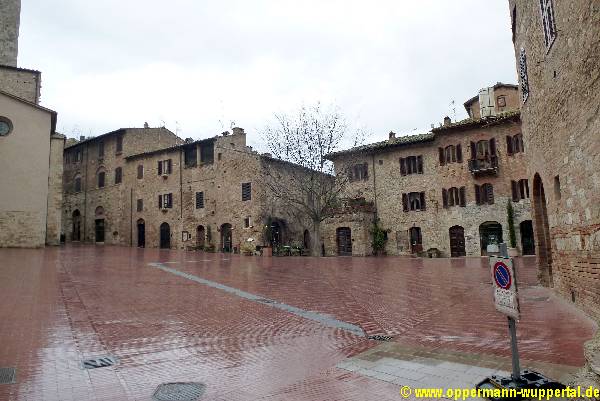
(268, 155)
(392, 135)
(146, 125)
(189, 140)
(237, 130)
(225, 133)
(82, 138)
(447, 121)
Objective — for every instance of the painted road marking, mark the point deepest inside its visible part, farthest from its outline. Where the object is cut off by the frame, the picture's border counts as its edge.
(322, 318)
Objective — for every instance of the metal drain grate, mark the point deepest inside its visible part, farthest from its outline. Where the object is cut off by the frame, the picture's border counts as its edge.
(179, 391)
(99, 362)
(8, 375)
(380, 337)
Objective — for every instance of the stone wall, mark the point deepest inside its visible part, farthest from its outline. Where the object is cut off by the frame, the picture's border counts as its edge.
(54, 216)
(561, 124)
(22, 83)
(10, 13)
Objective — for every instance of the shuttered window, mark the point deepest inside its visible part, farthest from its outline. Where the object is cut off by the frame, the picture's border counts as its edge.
(484, 194)
(246, 191)
(140, 172)
(358, 172)
(165, 201)
(118, 175)
(140, 205)
(413, 201)
(514, 144)
(199, 200)
(411, 165)
(207, 153)
(454, 197)
(165, 167)
(520, 190)
(190, 155)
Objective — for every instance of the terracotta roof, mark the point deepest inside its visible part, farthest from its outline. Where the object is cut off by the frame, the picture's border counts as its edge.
(10, 67)
(37, 106)
(93, 138)
(482, 122)
(392, 143)
(170, 148)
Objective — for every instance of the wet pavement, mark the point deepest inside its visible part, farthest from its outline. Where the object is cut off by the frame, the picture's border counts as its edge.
(252, 328)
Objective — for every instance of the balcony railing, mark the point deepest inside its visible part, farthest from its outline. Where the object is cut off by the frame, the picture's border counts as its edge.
(488, 165)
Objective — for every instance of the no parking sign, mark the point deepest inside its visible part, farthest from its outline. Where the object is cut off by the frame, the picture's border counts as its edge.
(504, 282)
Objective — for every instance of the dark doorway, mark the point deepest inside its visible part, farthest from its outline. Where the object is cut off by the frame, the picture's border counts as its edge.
(542, 232)
(490, 232)
(344, 241)
(416, 240)
(457, 242)
(226, 238)
(99, 230)
(306, 241)
(76, 226)
(165, 236)
(276, 234)
(527, 238)
(200, 237)
(141, 230)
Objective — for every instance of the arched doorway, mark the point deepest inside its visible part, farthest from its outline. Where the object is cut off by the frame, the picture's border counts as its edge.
(276, 234)
(200, 237)
(226, 238)
(490, 232)
(141, 231)
(542, 232)
(457, 241)
(165, 236)
(76, 236)
(306, 239)
(527, 238)
(99, 228)
(344, 241)
(416, 240)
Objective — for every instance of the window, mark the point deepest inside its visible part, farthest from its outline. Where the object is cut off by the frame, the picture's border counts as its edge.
(451, 154)
(77, 184)
(520, 190)
(523, 75)
(246, 191)
(165, 201)
(483, 155)
(411, 165)
(247, 222)
(207, 153)
(119, 144)
(514, 144)
(165, 167)
(484, 194)
(5, 126)
(118, 175)
(557, 192)
(413, 201)
(359, 172)
(501, 101)
(67, 157)
(190, 155)
(100, 149)
(548, 23)
(140, 205)
(101, 179)
(78, 156)
(199, 200)
(140, 172)
(454, 197)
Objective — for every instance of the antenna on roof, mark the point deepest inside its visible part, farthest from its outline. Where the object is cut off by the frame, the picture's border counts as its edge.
(453, 105)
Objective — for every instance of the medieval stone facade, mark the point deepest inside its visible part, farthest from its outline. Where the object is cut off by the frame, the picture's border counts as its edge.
(152, 189)
(446, 191)
(10, 16)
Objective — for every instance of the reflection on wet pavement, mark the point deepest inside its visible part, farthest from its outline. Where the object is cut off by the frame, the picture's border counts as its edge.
(63, 305)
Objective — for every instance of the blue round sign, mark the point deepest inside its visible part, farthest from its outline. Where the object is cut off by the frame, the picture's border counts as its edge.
(502, 276)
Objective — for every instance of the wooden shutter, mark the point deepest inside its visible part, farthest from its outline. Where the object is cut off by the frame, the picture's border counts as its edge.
(515, 190)
(459, 158)
(477, 195)
(493, 146)
(420, 164)
(405, 202)
(160, 167)
(169, 166)
(402, 166)
(423, 207)
(462, 197)
(444, 197)
(442, 158)
(526, 187)
(473, 151)
(160, 202)
(489, 189)
(509, 145)
(365, 171)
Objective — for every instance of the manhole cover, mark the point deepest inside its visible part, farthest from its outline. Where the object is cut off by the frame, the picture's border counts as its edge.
(380, 337)
(266, 301)
(99, 362)
(179, 391)
(7, 375)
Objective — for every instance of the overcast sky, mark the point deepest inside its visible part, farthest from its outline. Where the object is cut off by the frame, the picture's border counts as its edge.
(200, 65)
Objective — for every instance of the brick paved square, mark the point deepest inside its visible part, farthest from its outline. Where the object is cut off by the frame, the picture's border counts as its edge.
(253, 328)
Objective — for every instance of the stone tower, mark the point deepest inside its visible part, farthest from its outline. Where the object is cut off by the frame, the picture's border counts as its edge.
(10, 12)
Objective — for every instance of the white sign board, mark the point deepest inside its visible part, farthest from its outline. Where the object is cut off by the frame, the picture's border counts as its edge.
(504, 283)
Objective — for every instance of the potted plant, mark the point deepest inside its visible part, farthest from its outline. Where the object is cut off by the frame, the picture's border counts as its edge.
(512, 237)
(247, 248)
(379, 236)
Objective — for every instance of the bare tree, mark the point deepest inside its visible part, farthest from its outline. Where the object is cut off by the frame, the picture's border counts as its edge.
(307, 187)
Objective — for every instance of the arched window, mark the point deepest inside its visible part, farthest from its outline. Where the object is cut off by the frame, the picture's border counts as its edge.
(118, 175)
(101, 178)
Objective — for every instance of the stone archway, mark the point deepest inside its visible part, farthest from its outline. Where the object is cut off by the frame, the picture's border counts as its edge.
(490, 232)
(200, 237)
(542, 232)
(226, 238)
(165, 236)
(457, 241)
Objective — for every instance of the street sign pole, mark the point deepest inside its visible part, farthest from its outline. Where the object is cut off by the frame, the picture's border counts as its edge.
(512, 328)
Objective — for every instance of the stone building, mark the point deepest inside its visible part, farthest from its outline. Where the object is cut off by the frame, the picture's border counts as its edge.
(152, 189)
(445, 191)
(30, 148)
(557, 58)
